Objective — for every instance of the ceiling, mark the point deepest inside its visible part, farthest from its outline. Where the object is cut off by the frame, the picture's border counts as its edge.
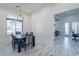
(67, 13)
(26, 7)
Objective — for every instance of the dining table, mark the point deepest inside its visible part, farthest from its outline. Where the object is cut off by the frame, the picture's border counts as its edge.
(21, 39)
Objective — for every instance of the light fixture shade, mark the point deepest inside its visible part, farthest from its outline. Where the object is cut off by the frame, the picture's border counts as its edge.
(20, 18)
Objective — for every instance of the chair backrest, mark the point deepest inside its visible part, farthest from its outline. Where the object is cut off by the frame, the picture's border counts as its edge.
(73, 33)
(12, 36)
(31, 33)
(18, 32)
(26, 32)
(27, 38)
(14, 39)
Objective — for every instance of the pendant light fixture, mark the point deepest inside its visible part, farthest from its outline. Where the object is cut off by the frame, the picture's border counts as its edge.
(20, 12)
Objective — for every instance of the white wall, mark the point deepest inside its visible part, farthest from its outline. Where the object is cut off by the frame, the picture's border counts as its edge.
(43, 22)
(7, 11)
(43, 27)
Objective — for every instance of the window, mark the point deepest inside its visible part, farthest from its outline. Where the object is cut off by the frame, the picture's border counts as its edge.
(74, 27)
(14, 26)
(66, 28)
(19, 26)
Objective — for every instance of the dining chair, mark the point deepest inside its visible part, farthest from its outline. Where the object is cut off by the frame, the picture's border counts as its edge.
(26, 32)
(31, 33)
(18, 32)
(25, 41)
(32, 39)
(74, 35)
(14, 41)
(24, 45)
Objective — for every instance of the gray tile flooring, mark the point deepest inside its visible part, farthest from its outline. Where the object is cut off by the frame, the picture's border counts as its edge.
(41, 49)
(63, 46)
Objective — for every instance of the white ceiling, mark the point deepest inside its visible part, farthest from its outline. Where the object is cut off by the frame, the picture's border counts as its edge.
(26, 7)
(67, 13)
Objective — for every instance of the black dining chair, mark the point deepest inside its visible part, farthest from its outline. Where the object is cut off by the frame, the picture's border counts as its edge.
(26, 32)
(24, 45)
(25, 41)
(25, 37)
(14, 41)
(74, 35)
(18, 32)
(31, 33)
(32, 39)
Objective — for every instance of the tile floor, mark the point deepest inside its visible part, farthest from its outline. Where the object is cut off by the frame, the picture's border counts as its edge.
(63, 46)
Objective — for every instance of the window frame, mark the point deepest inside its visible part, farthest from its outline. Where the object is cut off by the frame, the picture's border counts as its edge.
(15, 24)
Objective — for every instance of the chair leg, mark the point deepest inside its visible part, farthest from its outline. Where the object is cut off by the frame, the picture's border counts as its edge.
(74, 38)
(13, 47)
(31, 45)
(28, 44)
(24, 46)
